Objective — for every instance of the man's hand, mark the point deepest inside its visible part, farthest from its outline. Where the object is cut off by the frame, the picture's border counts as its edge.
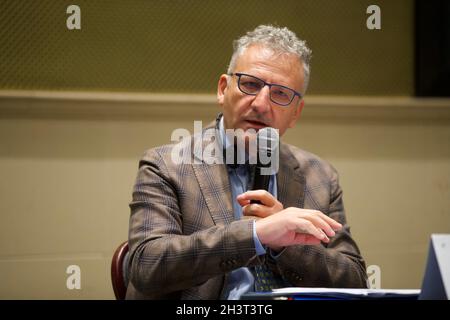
(269, 205)
(277, 227)
(293, 226)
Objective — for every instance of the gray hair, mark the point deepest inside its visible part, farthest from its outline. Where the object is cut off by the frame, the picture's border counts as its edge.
(280, 40)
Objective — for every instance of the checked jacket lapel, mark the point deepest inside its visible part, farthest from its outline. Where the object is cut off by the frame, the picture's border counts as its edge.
(214, 183)
(290, 180)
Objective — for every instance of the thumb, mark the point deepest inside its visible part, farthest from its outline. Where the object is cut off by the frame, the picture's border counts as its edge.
(254, 209)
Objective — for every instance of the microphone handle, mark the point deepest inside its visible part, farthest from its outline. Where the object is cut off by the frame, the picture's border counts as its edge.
(261, 182)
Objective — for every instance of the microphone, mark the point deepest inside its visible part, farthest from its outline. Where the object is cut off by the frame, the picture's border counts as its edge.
(267, 158)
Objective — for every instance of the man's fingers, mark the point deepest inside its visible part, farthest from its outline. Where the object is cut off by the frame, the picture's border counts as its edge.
(333, 223)
(262, 195)
(304, 226)
(242, 200)
(335, 226)
(255, 209)
(321, 223)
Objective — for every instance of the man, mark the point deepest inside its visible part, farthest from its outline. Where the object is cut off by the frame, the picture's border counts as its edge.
(194, 234)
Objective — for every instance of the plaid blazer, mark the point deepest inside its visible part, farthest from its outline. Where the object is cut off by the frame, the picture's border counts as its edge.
(184, 239)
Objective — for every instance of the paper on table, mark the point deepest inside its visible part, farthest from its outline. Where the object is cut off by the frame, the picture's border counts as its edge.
(349, 292)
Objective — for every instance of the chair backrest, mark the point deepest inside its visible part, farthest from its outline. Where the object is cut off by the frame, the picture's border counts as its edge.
(118, 271)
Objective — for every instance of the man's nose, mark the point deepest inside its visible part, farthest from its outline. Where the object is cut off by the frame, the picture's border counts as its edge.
(262, 100)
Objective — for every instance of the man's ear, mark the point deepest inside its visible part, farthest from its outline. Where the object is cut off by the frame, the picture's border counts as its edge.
(297, 113)
(222, 88)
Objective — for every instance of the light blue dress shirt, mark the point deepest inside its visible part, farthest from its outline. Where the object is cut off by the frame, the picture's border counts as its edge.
(241, 280)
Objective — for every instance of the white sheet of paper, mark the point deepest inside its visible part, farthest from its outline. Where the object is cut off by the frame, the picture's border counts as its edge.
(355, 292)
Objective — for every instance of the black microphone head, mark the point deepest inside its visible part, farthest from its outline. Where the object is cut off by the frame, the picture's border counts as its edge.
(268, 140)
(268, 143)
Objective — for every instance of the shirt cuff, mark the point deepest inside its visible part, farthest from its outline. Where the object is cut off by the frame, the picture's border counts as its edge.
(260, 250)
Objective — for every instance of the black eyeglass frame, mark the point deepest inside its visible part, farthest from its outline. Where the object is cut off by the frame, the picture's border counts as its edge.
(270, 85)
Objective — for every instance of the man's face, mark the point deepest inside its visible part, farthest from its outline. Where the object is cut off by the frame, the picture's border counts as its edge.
(246, 111)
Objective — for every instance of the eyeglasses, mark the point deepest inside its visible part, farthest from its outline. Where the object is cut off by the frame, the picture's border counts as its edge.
(278, 94)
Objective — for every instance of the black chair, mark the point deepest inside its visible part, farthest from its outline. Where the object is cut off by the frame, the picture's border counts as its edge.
(119, 276)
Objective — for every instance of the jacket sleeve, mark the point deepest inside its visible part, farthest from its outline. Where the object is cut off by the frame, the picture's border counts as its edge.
(162, 258)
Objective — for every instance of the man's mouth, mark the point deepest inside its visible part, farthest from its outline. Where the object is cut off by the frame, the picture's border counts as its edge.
(256, 124)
